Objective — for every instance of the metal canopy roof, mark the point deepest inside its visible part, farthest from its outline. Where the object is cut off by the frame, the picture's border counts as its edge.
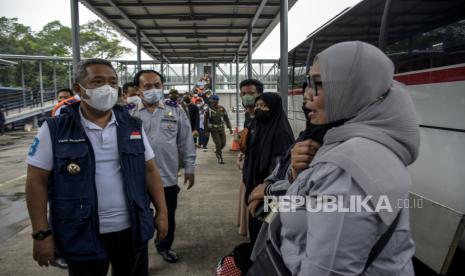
(362, 22)
(191, 30)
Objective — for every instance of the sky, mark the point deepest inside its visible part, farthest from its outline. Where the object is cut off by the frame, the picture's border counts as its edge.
(304, 17)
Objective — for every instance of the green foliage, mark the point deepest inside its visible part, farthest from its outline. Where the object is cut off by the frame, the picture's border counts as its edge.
(15, 37)
(97, 39)
(54, 39)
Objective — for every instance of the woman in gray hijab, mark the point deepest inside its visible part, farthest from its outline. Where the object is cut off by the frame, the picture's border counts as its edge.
(364, 159)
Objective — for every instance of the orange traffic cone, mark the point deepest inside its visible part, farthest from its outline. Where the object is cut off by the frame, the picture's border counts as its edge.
(235, 145)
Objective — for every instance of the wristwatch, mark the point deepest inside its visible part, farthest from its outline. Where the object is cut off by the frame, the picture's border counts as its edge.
(42, 234)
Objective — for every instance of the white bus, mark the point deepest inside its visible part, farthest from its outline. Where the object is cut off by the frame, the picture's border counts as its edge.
(426, 41)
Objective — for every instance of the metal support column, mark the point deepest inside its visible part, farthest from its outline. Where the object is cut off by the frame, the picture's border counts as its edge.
(189, 76)
(41, 83)
(161, 70)
(54, 77)
(213, 84)
(70, 76)
(249, 55)
(126, 72)
(23, 85)
(75, 33)
(161, 65)
(183, 78)
(237, 92)
(283, 81)
(230, 75)
(138, 44)
(383, 30)
(309, 55)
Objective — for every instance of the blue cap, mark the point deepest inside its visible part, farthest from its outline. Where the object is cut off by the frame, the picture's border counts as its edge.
(215, 97)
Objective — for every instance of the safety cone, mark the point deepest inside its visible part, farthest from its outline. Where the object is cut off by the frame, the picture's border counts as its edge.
(235, 145)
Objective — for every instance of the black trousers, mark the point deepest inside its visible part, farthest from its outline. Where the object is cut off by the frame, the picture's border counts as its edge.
(254, 229)
(171, 197)
(124, 261)
(203, 139)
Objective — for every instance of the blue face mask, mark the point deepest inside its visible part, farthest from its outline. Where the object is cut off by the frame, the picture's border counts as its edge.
(152, 96)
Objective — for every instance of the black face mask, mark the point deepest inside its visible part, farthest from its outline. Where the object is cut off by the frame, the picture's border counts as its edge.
(173, 98)
(306, 112)
(262, 116)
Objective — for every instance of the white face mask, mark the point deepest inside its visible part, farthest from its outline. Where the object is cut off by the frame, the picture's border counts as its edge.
(153, 95)
(102, 98)
(136, 100)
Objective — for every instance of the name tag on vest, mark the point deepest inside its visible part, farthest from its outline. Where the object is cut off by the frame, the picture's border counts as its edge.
(81, 140)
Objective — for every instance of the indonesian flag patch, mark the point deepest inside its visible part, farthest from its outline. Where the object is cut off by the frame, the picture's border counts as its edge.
(135, 135)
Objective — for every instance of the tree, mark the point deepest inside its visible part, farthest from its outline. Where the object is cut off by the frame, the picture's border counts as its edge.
(54, 39)
(15, 38)
(98, 39)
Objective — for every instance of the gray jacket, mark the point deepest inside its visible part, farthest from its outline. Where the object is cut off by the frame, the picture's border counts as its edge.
(169, 132)
(338, 243)
(335, 243)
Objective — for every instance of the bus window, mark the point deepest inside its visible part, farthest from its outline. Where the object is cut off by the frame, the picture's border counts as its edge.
(439, 47)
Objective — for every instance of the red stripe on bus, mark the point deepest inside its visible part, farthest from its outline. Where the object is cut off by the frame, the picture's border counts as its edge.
(436, 76)
(295, 92)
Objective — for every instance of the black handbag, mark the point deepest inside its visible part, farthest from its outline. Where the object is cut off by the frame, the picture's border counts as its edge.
(269, 262)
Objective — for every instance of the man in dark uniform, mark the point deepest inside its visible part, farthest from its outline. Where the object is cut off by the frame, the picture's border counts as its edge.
(215, 119)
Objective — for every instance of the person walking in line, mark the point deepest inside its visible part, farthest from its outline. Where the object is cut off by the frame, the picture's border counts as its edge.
(169, 132)
(215, 119)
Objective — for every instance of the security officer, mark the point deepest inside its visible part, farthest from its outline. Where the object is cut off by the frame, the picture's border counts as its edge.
(94, 166)
(169, 133)
(215, 119)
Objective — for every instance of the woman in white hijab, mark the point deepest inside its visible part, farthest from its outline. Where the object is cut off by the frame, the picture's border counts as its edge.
(365, 158)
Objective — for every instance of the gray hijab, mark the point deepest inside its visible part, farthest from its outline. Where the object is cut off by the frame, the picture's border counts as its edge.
(356, 77)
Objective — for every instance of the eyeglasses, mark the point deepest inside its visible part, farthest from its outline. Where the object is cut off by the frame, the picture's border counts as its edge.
(314, 85)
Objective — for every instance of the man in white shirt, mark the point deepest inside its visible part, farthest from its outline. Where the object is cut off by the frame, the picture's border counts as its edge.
(94, 166)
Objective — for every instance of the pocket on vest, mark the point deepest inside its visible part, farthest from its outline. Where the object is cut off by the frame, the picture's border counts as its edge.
(145, 219)
(133, 161)
(72, 163)
(72, 228)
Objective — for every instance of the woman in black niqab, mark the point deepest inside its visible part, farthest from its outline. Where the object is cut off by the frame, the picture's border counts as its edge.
(271, 137)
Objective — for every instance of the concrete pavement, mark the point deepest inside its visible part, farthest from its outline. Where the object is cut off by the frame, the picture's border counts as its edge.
(206, 229)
